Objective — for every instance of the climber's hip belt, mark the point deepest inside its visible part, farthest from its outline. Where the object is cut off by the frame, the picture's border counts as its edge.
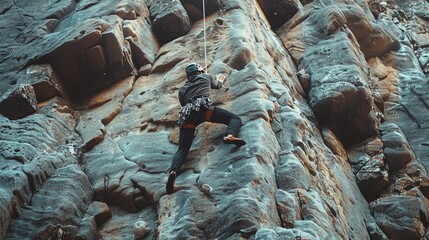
(194, 104)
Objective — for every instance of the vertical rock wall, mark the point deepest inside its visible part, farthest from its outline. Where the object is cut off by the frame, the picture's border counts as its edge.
(330, 93)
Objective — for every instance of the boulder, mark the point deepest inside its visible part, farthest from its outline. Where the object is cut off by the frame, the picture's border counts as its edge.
(378, 42)
(396, 147)
(170, 20)
(18, 102)
(402, 216)
(100, 211)
(340, 95)
(358, 23)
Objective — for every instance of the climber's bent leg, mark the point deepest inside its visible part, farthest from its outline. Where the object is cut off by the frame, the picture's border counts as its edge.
(233, 121)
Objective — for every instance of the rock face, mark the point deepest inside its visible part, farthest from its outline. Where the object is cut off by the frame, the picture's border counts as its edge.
(332, 96)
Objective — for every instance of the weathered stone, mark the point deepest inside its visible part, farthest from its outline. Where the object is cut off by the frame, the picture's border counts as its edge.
(122, 223)
(57, 231)
(143, 43)
(140, 229)
(96, 59)
(44, 81)
(99, 110)
(47, 144)
(145, 70)
(194, 8)
(401, 216)
(87, 228)
(396, 147)
(100, 211)
(45, 204)
(367, 162)
(170, 20)
(19, 102)
(7, 206)
(279, 233)
(279, 12)
(288, 147)
(340, 95)
(378, 42)
(288, 207)
(125, 9)
(358, 23)
(112, 184)
(291, 173)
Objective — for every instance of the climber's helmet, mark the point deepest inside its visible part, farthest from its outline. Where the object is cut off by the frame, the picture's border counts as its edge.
(193, 69)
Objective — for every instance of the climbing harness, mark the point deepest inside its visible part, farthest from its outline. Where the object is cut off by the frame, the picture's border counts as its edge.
(196, 105)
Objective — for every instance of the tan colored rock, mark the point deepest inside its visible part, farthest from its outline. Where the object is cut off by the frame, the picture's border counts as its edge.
(100, 211)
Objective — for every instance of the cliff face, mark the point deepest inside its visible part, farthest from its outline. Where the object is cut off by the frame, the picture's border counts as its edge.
(332, 94)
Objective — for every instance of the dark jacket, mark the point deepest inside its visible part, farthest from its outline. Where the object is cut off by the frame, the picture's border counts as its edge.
(197, 86)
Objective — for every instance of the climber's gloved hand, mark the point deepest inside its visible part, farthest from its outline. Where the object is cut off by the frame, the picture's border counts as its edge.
(220, 77)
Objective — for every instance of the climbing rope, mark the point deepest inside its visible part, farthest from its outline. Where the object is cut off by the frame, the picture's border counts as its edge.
(205, 41)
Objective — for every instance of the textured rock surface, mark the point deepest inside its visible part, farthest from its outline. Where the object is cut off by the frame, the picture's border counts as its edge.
(334, 108)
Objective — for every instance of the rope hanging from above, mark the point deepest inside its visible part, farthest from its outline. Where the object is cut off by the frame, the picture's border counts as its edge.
(205, 41)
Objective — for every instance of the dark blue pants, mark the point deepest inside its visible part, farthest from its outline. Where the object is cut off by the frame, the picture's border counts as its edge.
(217, 115)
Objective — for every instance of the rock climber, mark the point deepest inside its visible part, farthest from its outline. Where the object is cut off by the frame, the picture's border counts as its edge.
(197, 108)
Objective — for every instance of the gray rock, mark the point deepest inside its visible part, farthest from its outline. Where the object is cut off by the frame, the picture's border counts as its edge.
(113, 184)
(367, 162)
(396, 147)
(87, 228)
(340, 95)
(291, 173)
(128, 129)
(144, 45)
(170, 20)
(401, 216)
(7, 209)
(122, 223)
(358, 23)
(289, 207)
(57, 212)
(18, 102)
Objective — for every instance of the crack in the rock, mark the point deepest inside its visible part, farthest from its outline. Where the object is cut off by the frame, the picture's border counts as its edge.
(371, 158)
(19, 14)
(407, 111)
(413, 90)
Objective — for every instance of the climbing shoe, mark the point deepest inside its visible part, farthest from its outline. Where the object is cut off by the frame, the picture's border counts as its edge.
(170, 182)
(233, 140)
